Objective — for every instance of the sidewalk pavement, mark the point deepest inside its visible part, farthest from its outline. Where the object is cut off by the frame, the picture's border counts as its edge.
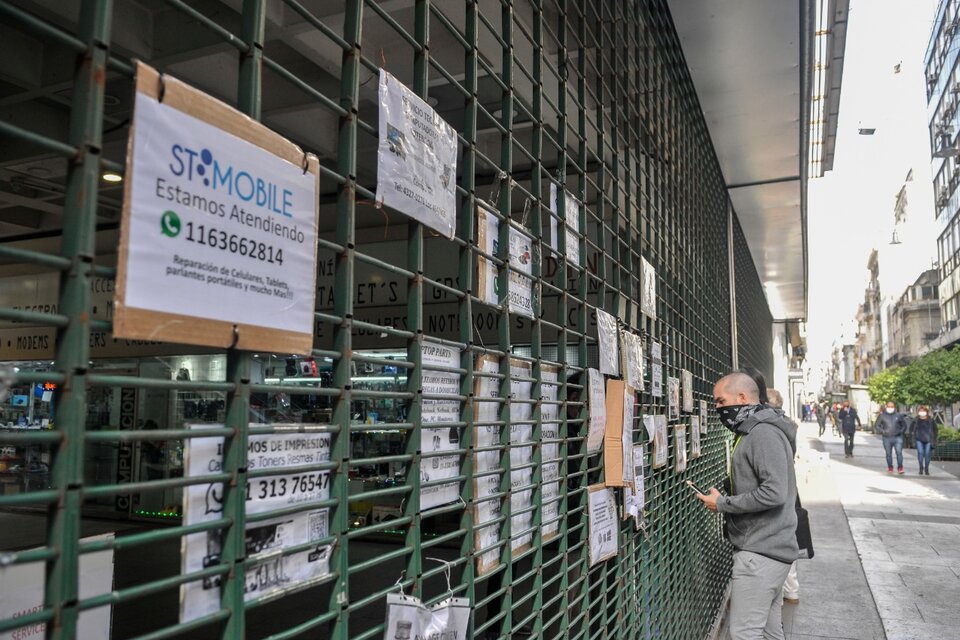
(887, 561)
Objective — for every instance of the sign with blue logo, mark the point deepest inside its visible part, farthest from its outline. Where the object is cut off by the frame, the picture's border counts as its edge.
(416, 158)
(219, 228)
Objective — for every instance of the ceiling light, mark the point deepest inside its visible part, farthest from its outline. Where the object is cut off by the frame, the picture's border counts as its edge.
(112, 176)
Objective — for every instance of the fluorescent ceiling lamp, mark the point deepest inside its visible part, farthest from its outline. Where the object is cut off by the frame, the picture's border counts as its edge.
(111, 176)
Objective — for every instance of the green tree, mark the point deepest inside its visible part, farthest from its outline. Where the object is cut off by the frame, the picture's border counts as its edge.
(885, 385)
(934, 379)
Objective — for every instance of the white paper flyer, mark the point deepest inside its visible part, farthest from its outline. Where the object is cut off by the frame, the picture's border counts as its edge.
(416, 158)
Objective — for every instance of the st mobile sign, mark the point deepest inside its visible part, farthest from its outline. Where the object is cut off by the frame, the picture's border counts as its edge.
(219, 229)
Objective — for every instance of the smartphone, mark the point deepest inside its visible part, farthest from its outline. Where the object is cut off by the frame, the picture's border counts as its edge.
(696, 488)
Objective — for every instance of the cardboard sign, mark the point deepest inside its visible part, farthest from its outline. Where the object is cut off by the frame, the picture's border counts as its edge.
(618, 436)
(602, 510)
(218, 234)
(416, 158)
(703, 417)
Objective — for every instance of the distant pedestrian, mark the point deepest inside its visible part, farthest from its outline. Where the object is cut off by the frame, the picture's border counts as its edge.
(925, 435)
(821, 418)
(891, 425)
(791, 586)
(834, 418)
(849, 421)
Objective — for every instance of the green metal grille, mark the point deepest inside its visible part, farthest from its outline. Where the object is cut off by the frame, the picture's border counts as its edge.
(592, 97)
(754, 321)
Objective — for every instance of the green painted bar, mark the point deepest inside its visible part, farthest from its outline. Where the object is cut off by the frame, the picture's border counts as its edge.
(521, 86)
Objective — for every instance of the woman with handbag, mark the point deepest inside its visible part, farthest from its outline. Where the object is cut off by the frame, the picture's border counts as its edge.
(925, 434)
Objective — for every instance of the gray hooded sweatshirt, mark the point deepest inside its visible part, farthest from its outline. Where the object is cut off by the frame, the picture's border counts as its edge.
(761, 512)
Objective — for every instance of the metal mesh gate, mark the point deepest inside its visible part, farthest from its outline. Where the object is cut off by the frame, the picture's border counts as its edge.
(591, 97)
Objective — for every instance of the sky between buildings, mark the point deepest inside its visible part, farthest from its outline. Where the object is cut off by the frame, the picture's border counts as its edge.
(851, 209)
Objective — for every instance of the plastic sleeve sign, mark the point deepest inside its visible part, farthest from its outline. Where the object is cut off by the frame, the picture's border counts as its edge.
(416, 158)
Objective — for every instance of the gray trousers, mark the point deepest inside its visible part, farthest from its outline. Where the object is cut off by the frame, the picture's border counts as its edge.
(756, 597)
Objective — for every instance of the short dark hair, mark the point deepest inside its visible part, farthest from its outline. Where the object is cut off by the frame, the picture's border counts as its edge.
(758, 378)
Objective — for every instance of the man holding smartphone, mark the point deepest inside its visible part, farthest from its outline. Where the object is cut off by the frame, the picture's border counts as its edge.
(761, 518)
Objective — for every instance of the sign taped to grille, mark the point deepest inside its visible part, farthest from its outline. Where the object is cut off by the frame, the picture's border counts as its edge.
(290, 454)
(435, 439)
(416, 158)
(218, 233)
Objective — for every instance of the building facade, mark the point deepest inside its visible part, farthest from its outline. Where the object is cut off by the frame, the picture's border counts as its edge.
(943, 100)
(913, 321)
(868, 345)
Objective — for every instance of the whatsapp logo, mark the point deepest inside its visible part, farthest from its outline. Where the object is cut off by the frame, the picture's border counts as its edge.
(170, 224)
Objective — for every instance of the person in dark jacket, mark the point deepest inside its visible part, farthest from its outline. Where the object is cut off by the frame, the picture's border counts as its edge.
(849, 421)
(925, 434)
(821, 418)
(760, 511)
(834, 420)
(891, 425)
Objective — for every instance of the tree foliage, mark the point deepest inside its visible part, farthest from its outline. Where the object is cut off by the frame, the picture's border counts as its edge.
(933, 379)
(885, 385)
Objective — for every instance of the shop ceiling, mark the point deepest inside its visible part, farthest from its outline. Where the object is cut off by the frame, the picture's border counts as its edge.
(745, 59)
(755, 66)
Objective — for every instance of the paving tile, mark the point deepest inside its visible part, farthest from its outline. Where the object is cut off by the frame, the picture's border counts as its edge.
(849, 626)
(899, 630)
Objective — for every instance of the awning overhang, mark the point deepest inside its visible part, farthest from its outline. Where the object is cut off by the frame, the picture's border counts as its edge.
(767, 75)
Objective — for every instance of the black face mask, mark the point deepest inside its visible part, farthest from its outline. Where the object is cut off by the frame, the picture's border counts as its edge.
(728, 415)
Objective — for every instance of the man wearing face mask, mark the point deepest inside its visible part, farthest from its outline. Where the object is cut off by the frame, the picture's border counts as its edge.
(925, 433)
(760, 511)
(849, 421)
(892, 426)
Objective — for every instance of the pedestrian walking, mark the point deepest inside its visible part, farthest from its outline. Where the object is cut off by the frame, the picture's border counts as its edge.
(925, 435)
(849, 421)
(891, 425)
(760, 512)
(791, 586)
(834, 418)
(822, 419)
